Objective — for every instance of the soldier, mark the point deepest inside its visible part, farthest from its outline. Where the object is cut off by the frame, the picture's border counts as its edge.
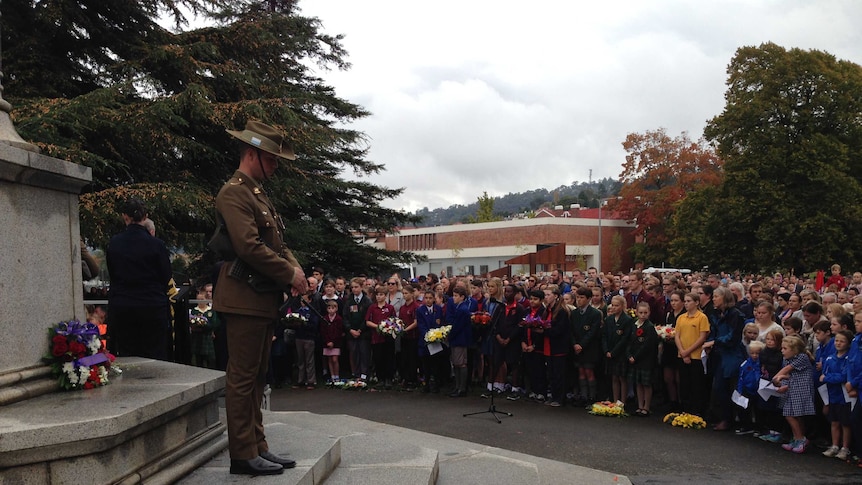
(249, 292)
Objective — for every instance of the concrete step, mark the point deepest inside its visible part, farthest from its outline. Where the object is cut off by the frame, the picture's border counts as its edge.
(316, 454)
(341, 449)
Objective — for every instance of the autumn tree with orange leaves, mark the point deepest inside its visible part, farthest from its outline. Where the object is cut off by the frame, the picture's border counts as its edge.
(660, 171)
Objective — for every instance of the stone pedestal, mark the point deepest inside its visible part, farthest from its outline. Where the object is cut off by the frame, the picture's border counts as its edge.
(156, 416)
(152, 416)
(40, 254)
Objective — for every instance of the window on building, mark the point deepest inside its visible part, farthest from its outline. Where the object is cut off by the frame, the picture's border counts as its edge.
(483, 269)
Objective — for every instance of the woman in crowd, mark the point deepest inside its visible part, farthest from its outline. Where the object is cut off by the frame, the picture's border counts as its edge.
(764, 318)
(670, 353)
(558, 343)
(727, 353)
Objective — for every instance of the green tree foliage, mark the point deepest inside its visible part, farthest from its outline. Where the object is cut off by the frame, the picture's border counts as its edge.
(658, 173)
(485, 212)
(791, 138)
(104, 85)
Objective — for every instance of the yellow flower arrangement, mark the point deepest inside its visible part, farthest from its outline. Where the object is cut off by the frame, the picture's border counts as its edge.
(438, 334)
(685, 420)
(608, 408)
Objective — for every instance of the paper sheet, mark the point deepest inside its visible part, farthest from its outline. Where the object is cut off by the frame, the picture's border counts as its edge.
(435, 347)
(703, 357)
(847, 398)
(766, 390)
(824, 393)
(739, 399)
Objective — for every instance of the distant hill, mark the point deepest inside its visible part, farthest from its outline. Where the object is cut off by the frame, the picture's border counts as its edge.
(585, 193)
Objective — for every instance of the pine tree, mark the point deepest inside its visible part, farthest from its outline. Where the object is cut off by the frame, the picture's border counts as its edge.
(104, 85)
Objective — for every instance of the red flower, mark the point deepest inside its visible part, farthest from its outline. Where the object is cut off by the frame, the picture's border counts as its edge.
(59, 347)
(78, 349)
(639, 332)
(58, 339)
(88, 385)
(94, 374)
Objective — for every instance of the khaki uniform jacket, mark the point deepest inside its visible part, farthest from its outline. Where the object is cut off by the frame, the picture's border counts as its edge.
(256, 233)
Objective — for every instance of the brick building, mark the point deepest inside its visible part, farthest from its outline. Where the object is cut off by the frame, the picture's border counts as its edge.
(554, 239)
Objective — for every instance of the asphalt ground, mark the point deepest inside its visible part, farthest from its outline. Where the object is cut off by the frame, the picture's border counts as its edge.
(642, 448)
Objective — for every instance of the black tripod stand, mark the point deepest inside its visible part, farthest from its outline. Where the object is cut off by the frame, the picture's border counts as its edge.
(499, 309)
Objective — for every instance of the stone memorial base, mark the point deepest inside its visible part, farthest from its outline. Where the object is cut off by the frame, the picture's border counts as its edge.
(155, 416)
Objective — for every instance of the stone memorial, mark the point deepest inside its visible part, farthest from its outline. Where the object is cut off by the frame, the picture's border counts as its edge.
(152, 424)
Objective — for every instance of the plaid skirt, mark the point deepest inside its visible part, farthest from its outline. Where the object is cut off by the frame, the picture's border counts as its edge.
(618, 367)
(640, 376)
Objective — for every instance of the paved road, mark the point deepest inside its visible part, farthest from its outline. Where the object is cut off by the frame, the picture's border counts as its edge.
(644, 449)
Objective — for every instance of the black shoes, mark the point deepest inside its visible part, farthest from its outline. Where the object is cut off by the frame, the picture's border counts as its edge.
(284, 462)
(255, 466)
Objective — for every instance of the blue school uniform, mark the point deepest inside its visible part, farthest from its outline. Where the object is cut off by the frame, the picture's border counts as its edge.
(835, 375)
(749, 377)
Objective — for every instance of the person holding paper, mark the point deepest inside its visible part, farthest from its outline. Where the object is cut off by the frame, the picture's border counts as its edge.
(746, 387)
(797, 384)
(834, 375)
(769, 417)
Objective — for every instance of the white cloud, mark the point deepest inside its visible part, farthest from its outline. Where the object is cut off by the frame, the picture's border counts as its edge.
(511, 96)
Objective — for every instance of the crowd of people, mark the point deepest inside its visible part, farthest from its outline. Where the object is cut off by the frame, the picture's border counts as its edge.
(702, 344)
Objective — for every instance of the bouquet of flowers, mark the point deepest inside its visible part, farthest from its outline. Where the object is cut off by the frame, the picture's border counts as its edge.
(76, 355)
(685, 420)
(197, 322)
(295, 320)
(665, 332)
(392, 326)
(438, 334)
(534, 322)
(353, 385)
(631, 313)
(608, 408)
(480, 320)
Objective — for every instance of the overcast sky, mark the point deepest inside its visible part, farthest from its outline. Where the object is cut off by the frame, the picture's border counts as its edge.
(506, 96)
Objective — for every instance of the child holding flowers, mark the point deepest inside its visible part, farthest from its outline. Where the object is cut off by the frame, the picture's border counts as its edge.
(615, 338)
(434, 366)
(643, 356)
(460, 337)
(202, 322)
(796, 382)
(532, 347)
(382, 346)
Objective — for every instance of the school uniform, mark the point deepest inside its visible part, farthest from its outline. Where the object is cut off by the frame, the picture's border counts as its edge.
(643, 347)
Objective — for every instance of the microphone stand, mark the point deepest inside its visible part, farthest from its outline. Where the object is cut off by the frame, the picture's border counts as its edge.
(492, 408)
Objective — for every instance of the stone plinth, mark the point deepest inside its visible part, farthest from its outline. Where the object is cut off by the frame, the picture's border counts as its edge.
(40, 254)
(144, 420)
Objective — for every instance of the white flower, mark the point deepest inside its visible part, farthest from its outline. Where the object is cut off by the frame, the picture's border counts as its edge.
(71, 373)
(83, 374)
(94, 345)
(103, 375)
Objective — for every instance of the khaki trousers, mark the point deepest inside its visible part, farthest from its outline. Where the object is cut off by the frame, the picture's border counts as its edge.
(249, 340)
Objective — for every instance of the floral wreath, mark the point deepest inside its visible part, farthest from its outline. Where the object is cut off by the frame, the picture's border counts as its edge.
(76, 355)
(685, 420)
